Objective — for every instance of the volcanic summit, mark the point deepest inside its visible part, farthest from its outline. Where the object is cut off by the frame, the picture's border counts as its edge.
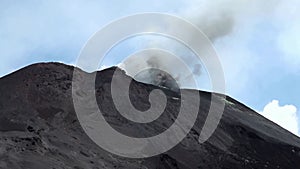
(39, 128)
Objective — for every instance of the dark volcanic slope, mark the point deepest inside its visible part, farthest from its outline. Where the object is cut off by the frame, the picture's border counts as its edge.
(39, 129)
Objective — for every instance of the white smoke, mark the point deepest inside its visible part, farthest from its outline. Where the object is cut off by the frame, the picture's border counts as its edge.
(160, 68)
(216, 19)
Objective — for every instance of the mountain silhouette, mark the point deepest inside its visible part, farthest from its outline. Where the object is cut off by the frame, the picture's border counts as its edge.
(39, 128)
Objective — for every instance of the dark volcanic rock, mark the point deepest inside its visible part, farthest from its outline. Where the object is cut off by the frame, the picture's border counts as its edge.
(39, 128)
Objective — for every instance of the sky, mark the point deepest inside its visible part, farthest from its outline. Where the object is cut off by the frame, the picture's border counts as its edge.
(257, 42)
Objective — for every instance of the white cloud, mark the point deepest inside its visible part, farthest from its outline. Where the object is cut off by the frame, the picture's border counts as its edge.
(285, 116)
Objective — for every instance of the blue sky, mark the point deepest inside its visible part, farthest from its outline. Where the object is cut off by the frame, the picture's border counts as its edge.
(258, 42)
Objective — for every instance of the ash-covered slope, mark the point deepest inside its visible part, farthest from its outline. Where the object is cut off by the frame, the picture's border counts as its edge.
(39, 129)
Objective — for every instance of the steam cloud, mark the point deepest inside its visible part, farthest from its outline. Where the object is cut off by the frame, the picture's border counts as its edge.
(154, 67)
(216, 19)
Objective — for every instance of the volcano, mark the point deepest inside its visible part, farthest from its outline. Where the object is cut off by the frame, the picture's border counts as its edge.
(39, 128)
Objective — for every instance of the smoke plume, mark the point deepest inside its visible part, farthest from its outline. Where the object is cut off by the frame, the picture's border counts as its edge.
(216, 19)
